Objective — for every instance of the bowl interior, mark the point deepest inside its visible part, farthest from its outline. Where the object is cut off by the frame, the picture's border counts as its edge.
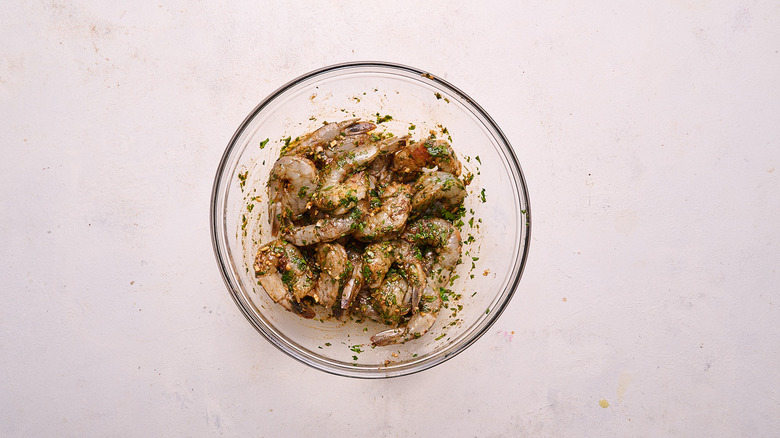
(495, 227)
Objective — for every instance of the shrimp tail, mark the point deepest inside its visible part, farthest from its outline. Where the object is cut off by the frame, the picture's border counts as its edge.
(354, 283)
(388, 337)
(275, 217)
(417, 292)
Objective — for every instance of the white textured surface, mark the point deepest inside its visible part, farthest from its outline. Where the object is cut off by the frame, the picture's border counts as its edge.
(649, 136)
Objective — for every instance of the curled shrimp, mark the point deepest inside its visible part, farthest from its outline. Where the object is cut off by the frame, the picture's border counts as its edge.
(293, 283)
(290, 187)
(437, 186)
(343, 196)
(391, 215)
(353, 136)
(307, 145)
(379, 257)
(445, 241)
(418, 324)
(324, 230)
(431, 153)
(334, 264)
(334, 192)
(392, 299)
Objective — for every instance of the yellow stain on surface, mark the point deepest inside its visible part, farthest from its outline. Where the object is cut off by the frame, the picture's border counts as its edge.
(603, 403)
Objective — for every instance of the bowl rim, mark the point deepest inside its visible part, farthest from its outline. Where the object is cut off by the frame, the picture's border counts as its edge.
(357, 372)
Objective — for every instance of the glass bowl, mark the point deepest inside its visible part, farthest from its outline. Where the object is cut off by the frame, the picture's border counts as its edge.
(495, 228)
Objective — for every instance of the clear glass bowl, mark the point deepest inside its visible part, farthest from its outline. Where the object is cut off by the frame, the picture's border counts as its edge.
(498, 213)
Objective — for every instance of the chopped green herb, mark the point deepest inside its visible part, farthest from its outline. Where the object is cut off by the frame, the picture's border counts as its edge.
(242, 179)
(380, 119)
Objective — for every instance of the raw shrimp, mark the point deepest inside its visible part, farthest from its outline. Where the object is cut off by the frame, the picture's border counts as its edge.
(394, 207)
(418, 324)
(336, 195)
(295, 281)
(437, 186)
(308, 144)
(445, 241)
(334, 264)
(324, 230)
(290, 187)
(379, 257)
(343, 197)
(410, 161)
(392, 298)
(353, 136)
